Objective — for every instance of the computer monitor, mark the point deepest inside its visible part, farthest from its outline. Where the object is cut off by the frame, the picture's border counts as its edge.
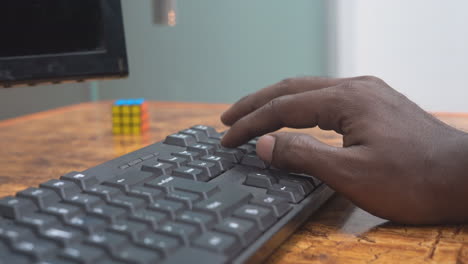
(61, 40)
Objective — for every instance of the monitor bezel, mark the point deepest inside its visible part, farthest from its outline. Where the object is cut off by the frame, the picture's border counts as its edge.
(107, 62)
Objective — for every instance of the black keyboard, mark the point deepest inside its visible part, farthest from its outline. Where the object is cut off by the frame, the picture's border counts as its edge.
(182, 200)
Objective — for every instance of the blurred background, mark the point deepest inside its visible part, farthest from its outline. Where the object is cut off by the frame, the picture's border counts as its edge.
(219, 51)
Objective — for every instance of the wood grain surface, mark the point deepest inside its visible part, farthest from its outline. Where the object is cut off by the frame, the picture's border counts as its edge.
(45, 145)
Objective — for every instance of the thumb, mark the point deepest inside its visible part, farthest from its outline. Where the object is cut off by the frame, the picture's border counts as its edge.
(304, 154)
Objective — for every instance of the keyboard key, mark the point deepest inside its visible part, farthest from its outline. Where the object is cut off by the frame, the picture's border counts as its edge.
(123, 167)
(215, 143)
(261, 180)
(7, 256)
(210, 169)
(83, 180)
(217, 242)
(279, 206)
(163, 243)
(134, 162)
(254, 161)
(305, 181)
(157, 168)
(218, 136)
(41, 197)
(247, 149)
(181, 140)
(188, 155)
(291, 194)
(11, 257)
(11, 207)
(85, 201)
(35, 248)
(197, 134)
(222, 204)
(262, 216)
(176, 161)
(203, 149)
(133, 254)
(169, 183)
(125, 181)
(163, 183)
(185, 232)
(64, 211)
(208, 131)
(202, 220)
(302, 189)
(191, 174)
(132, 229)
(245, 230)
(305, 178)
(105, 192)
(129, 203)
(65, 236)
(152, 218)
(63, 188)
(108, 212)
(38, 221)
(185, 197)
(87, 223)
(203, 189)
(149, 194)
(232, 155)
(109, 241)
(171, 208)
(253, 142)
(12, 233)
(82, 254)
(149, 156)
(222, 163)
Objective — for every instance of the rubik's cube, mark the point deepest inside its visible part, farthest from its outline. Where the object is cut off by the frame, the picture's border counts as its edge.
(130, 117)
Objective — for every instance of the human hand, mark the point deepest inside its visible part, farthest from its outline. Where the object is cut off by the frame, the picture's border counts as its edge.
(397, 161)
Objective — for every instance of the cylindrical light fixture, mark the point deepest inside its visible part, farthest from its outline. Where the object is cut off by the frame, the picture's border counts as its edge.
(165, 12)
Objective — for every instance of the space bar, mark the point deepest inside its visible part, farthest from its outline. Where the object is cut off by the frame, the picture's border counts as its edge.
(189, 255)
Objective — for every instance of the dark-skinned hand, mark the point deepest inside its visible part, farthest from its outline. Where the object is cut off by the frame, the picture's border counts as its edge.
(397, 161)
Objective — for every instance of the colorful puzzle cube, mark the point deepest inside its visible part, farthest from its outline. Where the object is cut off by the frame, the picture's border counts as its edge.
(130, 117)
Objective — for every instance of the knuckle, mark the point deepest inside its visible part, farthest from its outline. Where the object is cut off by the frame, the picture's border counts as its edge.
(352, 90)
(243, 99)
(290, 152)
(348, 98)
(274, 104)
(294, 143)
(286, 84)
(340, 94)
(370, 79)
(286, 81)
(272, 107)
(349, 85)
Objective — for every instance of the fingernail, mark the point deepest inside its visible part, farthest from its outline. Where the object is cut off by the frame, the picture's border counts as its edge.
(265, 146)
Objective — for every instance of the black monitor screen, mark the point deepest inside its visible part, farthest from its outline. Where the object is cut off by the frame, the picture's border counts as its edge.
(55, 26)
(55, 40)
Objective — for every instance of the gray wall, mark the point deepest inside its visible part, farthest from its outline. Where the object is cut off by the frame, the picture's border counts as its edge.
(220, 49)
(420, 47)
(24, 100)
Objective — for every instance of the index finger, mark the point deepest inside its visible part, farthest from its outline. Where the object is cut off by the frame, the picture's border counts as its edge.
(325, 108)
(256, 100)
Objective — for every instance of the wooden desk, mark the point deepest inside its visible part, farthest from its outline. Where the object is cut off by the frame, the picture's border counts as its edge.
(46, 145)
